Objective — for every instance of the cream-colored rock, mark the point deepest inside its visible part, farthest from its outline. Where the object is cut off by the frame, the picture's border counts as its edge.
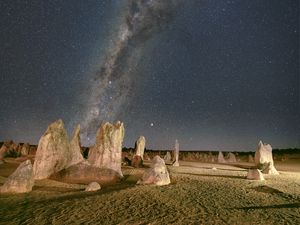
(107, 151)
(140, 147)
(264, 159)
(157, 174)
(250, 158)
(20, 181)
(255, 174)
(176, 153)
(75, 148)
(52, 154)
(221, 158)
(25, 149)
(231, 158)
(93, 186)
(168, 157)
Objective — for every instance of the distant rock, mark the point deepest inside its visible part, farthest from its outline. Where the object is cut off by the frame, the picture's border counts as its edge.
(157, 174)
(138, 157)
(53, 153)
(168, 157)
(250, 158)
(25, 149)
(85, 173)
(176, 153)
(20, 181)
(264, 159)
(231, 158)
(107, 151)
(146, 157)
(93, 186)
(255, 174)
(221, 158)
(5, 148)
(75, 148)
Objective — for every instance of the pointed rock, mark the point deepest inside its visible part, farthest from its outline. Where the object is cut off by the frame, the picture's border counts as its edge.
(264, 159)
(107, 151)
(138, 157)
(75, 148)
(21, 181)
(231, 158)
(52, 154)
(168, 157)
(221, 158)
(157, 174)
(176, 153)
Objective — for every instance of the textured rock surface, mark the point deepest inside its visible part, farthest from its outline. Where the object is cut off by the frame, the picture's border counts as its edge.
(75, 148)
(221, 158)
(85, 173)
(255, 174)
(176, 154)
(107, 151)
(264, 159)
(53, 153)
(231, 158)
(93, 186)
(157, 174)
(20, 181)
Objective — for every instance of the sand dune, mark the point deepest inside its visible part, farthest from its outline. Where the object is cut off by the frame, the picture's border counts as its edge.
(197, 195)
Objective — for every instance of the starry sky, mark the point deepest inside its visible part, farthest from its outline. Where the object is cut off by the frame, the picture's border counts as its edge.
(216, 75)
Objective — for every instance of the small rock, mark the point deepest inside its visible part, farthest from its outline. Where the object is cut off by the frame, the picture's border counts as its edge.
(93, 186)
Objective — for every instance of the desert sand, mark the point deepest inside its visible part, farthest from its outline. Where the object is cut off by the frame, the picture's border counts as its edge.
(198, 194)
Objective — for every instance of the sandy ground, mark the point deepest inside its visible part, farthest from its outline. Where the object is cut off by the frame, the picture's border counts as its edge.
(197, 195)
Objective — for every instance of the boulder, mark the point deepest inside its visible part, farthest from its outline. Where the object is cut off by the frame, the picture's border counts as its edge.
(168, 157)
(107, 151)
(157, 174)
(75, 148)
(221, 158)
(255, 174)
(176, 153)
(20, 181)
(52, 154)
(264, 159)
(84, 173)
(93, 186)
(231, 158)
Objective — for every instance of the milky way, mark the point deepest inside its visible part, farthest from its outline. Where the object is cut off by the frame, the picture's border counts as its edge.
(113, 82)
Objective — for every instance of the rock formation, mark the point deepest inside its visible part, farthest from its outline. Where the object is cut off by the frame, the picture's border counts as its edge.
(250, 158)
(20, 181)
(221, 158)
(53, 151)
(231, 158)
(107, 151)
(25, 149)
(75, 148)
(264, 159)
(255, 174)
(157, 174)
(176, 153)
(5, 148)
(168, 157)
(137, 160)
(93, 186)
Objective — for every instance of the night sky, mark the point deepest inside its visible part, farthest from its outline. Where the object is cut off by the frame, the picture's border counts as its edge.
(216, 75)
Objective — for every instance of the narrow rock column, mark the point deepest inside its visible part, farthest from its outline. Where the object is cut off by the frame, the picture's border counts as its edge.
(176, 153)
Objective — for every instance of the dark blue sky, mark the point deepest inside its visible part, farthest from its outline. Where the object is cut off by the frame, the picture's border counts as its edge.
(217, 75)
